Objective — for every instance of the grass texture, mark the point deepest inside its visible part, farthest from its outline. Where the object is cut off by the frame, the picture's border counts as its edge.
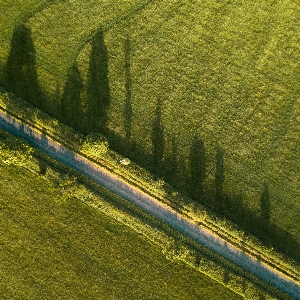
(54, 247)
(226, 72)
(52, 216)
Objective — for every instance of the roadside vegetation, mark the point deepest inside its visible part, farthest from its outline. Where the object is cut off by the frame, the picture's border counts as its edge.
(174, 245)
(55, 246)
(65, 236)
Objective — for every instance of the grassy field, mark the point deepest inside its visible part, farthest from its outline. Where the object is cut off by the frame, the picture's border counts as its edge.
(226, 72)
(55, 247)
(226, 76)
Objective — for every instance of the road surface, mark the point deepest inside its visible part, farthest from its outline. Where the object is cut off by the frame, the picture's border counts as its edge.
(151, 205)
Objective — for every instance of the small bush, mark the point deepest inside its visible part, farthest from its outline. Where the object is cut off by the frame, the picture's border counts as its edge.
(15, 151)
(95, 145)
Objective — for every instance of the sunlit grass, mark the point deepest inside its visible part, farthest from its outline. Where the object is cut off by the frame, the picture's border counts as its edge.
(57, 247)
(221, 73)
(143, 179)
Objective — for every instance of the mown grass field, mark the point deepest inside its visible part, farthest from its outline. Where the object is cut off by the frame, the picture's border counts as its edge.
(227, 72)
(53, 248)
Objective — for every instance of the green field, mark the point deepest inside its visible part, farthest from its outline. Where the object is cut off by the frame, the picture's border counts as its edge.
(226, 72)
(57, 249)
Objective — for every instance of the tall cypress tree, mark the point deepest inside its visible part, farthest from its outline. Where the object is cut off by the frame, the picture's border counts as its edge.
(20, 72)
(197, 169)
(72, 99)
(158, 142)
(219, 179)
(97, 90)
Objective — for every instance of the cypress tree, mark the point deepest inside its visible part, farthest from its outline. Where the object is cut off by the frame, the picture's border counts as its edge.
(72, 99)
(97, 90)
(20, 71)
(197, 169)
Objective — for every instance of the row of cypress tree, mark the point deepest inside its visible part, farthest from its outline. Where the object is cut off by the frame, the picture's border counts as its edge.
(82, 106)
(85, 107)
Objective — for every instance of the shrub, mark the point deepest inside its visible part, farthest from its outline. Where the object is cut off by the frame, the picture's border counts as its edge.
(15, 151)
(95, 145)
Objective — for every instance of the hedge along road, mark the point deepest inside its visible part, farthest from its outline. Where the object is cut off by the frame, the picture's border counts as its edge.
(151, 205)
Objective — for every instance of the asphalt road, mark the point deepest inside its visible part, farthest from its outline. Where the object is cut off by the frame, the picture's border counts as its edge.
(151, 205)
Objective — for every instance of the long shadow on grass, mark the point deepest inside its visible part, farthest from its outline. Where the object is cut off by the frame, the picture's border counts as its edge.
(171, 164)
(20, 75)
(128, 106)
(2, 83)
(72, 99)
(197, 162)
(158, 142)
(265, 205)
(268, 232)
(97, 88)
(219, 179)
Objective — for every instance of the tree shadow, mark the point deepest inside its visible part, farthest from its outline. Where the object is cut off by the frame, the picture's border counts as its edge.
(171, 165)
(265, 206)
(197, 161)
(97, 88)
(2, 79)
(158, 143)
(226, 276)
(128, 106)
(270, 233)
(235, 206)
(219, 179)
(42, 167)
(183, 183)
(54, 103)
(72, 99)
(20, 75)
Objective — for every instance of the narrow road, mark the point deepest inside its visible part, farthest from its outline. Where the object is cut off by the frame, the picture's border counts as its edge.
(151, 205)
